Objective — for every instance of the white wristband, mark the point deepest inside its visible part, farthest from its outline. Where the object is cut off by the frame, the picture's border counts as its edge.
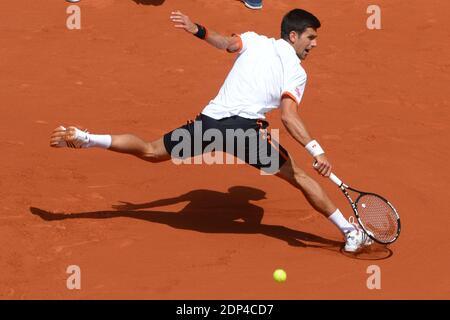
(314, 148)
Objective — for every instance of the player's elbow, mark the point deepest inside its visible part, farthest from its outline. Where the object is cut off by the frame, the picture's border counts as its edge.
(232, 48)
(233, 44)
(287, 119)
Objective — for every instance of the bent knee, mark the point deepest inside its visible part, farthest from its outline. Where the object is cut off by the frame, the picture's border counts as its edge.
(153, 154)
(294, 175)
(149, 153)
(300, 175)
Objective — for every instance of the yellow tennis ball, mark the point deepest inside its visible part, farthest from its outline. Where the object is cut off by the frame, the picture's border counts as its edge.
(279, 275)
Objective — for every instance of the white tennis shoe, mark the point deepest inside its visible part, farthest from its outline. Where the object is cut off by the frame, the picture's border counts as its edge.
(356, 239)
(71, 137)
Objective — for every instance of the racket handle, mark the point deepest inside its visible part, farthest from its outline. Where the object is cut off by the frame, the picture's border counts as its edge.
(335, 179)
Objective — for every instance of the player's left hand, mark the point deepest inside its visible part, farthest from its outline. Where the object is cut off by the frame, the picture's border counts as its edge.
(322, 165)
(183, 21)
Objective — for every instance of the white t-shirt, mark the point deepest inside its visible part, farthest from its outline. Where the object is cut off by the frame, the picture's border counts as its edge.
(264, 71)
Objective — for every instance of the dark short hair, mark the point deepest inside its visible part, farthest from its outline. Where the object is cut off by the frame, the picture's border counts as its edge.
(298, 20)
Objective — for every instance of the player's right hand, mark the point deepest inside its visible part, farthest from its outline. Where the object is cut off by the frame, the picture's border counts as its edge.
(322, 165)
(182, 21)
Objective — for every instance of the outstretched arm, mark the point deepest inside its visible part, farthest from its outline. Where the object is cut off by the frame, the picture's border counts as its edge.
(157, 203)
(296, 128)
(182, 21)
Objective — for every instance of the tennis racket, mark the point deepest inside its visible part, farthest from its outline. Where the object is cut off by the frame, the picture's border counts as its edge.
(376, 215)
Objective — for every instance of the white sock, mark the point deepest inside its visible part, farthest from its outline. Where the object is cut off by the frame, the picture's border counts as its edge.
(339, 220)
(99, 140)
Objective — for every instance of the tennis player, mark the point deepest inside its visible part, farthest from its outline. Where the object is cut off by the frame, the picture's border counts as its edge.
(266, 75)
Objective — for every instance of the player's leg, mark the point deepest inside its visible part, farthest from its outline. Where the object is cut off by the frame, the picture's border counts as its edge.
(273, 159)
(154, 151)
(283, 166)
(314, 193)
(72, 137)
(355, 239)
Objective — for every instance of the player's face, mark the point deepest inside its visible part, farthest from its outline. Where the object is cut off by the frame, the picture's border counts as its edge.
(304, 43)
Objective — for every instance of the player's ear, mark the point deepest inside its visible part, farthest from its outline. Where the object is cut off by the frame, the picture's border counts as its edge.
(293, 36)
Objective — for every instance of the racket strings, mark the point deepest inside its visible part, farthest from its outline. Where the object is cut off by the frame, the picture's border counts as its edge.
(378, 217)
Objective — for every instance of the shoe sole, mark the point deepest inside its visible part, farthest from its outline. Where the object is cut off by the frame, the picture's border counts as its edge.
(359, 248)
(253, 7)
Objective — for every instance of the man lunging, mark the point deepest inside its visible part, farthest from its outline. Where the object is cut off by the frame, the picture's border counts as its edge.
(266, 75)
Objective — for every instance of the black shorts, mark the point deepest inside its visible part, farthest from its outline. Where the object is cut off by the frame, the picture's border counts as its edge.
(245, 139)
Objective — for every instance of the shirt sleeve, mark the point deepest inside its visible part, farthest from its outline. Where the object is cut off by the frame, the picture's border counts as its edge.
(247, 40)
(294, 85)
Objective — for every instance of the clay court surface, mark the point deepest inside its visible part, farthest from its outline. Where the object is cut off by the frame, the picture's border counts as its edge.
(377, 100)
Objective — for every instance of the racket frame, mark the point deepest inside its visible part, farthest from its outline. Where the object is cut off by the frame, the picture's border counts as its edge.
(354, 205)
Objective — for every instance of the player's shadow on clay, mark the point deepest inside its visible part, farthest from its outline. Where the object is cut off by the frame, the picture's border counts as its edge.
(209, 212)
(149, 2)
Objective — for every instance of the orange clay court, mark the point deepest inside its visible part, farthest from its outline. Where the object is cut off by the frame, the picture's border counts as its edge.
(377, 100)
